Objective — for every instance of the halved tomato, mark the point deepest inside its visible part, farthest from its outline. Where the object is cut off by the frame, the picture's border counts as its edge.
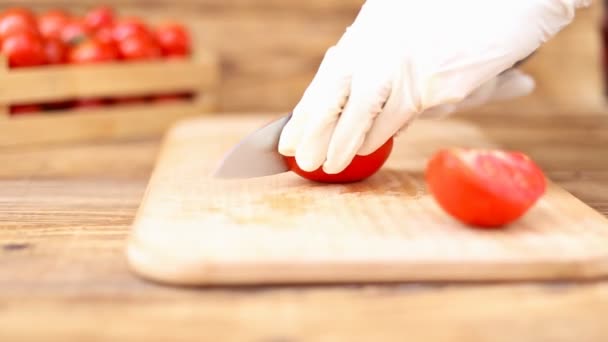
(484, 188)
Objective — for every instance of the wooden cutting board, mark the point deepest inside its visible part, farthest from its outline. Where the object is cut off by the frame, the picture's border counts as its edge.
(192, 229)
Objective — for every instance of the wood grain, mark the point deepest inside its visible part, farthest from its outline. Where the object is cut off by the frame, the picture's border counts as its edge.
(271, 49)
(65, 212)
(194, 229)
(71, 126)
(58, 83)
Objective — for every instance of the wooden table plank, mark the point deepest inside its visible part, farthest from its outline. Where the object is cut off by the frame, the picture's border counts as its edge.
(64, 216)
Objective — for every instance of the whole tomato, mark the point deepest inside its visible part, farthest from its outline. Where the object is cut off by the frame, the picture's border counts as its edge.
(75, 31)
(55, 51)
(104, 35)
(23, 49)
(99, 17)
(484, 188)
(139, 47)
(51, 23)
(17, 20)
(130, 26)
(173, 39)
(360, 168)
(92, 51)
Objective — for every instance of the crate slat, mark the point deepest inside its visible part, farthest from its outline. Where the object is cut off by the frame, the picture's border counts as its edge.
(92, 124)
(52, 83)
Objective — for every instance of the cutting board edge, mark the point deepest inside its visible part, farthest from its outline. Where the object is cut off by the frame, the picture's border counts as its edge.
(150, 266)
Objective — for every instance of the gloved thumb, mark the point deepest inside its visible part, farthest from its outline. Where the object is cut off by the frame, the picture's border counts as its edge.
(508, 85)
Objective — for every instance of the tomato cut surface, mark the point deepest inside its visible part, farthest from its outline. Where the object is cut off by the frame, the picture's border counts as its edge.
(485, 188)
(360, 168)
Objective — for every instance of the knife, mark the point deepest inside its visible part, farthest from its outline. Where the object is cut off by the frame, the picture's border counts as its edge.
(256, 155)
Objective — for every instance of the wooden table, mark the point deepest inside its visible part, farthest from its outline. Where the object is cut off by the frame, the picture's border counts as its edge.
(65, 212)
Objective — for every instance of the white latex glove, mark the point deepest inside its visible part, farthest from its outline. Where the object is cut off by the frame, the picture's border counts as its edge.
(404, 58)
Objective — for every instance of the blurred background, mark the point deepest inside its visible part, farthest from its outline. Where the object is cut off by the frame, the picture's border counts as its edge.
(270, 49)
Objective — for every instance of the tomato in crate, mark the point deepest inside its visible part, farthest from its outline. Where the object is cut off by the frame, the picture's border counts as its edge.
(75, 31)
(99, 18)
(55, 52)
(51, 23)
(23, 49)
(17, 20)
(99, 61)
(92, 51)
(173, 39)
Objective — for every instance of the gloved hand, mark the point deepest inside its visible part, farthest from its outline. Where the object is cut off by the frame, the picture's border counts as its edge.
(403, 58)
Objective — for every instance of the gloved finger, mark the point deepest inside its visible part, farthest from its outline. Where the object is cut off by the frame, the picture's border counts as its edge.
(330, 83)
(400, 108)
(319, 126)
(369, 91)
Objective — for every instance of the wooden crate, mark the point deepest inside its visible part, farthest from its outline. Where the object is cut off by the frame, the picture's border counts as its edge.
(198, 75)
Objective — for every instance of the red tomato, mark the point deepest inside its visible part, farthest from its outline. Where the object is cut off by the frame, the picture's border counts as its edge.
(137, 47)
(359, 169)
(23, 49)
(55, 51)
(104, 35)
(17, 20)
(128, 27)
(173, 39)
(485, 188)
(74, 32)
(102, 16)
(92, 51)
(24, 109)
(51, 23)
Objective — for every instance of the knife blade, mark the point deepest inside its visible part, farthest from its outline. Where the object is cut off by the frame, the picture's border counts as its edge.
(256, 155)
